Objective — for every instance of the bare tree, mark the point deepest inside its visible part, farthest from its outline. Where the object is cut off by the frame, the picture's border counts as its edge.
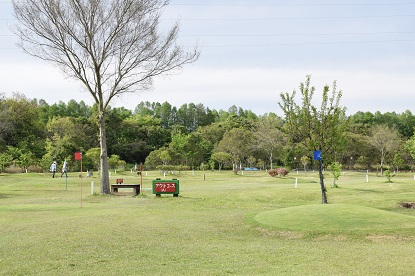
(112, 46)
(386, 140)
(269, 137)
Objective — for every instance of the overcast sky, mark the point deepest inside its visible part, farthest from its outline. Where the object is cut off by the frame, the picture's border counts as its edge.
(251, 51)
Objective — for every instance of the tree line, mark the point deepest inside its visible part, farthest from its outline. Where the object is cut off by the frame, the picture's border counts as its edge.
(34, 133)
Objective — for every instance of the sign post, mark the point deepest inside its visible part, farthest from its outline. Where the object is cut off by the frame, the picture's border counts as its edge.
(318, 157)
(78, 157)
(141, 176)
(166, 187)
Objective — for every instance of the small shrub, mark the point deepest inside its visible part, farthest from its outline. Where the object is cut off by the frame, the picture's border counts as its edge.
(335, 169)
(278, 172)
(272, 172)
(389, 175)
(282, 172)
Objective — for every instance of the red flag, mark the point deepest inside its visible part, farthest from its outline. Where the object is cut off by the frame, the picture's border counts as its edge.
(78, 156)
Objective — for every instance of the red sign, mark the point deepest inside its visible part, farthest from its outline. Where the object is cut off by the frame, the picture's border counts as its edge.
(165, 187)
(78, 156)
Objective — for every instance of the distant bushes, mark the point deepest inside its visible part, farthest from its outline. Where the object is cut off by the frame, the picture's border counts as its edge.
(172, 168)
(278, 172)
(17, 169)
(35, 169)
(13, 169)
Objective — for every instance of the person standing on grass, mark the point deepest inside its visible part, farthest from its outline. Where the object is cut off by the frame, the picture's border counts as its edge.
(64, 169)
(53, 169)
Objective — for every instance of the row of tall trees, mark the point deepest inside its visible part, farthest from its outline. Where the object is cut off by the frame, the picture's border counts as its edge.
(232, 138)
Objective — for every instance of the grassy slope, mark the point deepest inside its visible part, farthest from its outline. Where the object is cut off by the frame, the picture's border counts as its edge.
(227, 224)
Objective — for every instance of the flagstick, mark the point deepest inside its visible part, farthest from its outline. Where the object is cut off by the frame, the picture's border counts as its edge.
(81, 182)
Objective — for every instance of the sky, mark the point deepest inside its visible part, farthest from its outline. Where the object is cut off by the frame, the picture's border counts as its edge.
(251, 51)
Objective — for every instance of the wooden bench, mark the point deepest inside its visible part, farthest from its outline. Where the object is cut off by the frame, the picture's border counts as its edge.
(135, 187)
(120, 184)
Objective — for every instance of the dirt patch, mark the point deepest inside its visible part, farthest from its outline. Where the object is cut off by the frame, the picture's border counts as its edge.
(387, 238)
(408, 205)
(283, 234)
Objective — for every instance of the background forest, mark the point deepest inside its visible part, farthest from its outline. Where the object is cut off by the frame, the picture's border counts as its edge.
(192, 136)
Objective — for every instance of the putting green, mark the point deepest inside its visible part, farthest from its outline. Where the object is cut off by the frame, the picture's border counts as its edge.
(333, 217)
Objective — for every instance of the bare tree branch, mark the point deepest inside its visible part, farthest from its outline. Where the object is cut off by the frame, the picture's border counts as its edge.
(112, 46)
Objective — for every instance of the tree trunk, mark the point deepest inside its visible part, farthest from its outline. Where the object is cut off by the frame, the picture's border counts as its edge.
(323, 188)
(105, 183)
(381, 165)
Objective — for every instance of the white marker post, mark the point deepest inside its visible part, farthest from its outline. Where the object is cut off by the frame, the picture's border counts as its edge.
(296, 183)
(367, 178)
(92, 187)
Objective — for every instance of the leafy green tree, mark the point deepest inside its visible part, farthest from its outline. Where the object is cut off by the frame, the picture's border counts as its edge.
(212, 133)
(26, 159)
(409, 145)
(6, 125)
(22, 124)
(137, 136)
(221, 157)
(5, 160)
(112, 47)
(144, 109)
(362, 162)
(398, 161)
(197, 148)
(115, 162)
(406, 124)
(192, 116)
(93, 155)
(152, 160)
(251, 161)
(316, 128)
(65, 136)
(238, 143)
(164, 156)
(76, 110)
(177, 148)
(167, 115)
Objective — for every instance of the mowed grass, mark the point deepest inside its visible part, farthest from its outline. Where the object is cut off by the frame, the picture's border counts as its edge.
(221, 224)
